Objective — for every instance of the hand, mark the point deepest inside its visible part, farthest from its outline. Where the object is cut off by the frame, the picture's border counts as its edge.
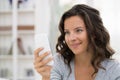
(40, 64)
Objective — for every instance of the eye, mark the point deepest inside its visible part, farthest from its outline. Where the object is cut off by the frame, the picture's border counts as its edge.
(66, 32)
(79, 30)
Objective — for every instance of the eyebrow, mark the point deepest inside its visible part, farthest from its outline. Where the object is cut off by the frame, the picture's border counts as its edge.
(79, 27)
(76, 28)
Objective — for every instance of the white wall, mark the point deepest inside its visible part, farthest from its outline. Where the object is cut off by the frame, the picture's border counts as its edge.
(110, 14)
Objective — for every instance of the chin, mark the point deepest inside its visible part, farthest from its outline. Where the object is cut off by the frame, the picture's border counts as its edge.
(77, 52)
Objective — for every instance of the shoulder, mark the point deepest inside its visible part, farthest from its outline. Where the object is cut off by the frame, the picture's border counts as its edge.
(111, 64)
(58, 69)
(58, 59)
(59, 64)
(112, 69)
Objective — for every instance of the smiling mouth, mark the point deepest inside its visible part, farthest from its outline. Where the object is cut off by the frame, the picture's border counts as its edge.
(75, 45)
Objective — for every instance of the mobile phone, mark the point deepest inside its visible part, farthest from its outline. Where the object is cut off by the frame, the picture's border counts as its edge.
(41, 40)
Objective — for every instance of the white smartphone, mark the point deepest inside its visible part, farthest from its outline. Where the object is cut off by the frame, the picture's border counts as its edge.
(41, 40)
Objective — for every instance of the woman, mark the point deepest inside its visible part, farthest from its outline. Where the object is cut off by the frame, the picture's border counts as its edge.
(83, 47)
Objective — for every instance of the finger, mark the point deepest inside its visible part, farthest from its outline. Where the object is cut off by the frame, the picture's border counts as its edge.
(36, 52)
(44, 69)
(42, 56)
(42, 63)
(48, 67)
(46, 61)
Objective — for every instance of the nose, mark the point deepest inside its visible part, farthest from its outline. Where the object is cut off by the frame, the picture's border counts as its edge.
(72, 37)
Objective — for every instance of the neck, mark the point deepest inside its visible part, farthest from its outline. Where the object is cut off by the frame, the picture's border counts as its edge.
(83, 59)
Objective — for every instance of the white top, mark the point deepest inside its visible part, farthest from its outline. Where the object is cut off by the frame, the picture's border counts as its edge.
(60, 70)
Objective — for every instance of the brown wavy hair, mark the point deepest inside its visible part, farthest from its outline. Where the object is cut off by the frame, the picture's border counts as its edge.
(98, 36)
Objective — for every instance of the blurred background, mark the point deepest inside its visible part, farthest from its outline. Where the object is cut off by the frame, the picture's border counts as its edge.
(20, 20)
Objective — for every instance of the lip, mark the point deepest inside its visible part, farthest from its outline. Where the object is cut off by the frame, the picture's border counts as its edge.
(75, 45)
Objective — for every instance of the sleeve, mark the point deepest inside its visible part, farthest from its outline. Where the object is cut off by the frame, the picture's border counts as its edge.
(116, 72)
(56, 72)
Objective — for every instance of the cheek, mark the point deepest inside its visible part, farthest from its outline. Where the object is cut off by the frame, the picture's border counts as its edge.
(66, 40)
(86, 42)
(85, 37)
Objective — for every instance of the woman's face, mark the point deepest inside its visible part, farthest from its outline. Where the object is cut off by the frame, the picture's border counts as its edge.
(76, 34)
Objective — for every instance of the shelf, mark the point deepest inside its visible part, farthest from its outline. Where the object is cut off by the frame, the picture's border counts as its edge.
(5, 28)
(16, 63)
(8, 32)
(3, 79)
(21, 57)
(23, 78)
(26, 11)
(19, 11)
(5, 57)
(5, 11)
(24, 27)
(26, 78)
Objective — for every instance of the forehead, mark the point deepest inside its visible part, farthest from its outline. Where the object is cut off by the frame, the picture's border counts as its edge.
(74, 21)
